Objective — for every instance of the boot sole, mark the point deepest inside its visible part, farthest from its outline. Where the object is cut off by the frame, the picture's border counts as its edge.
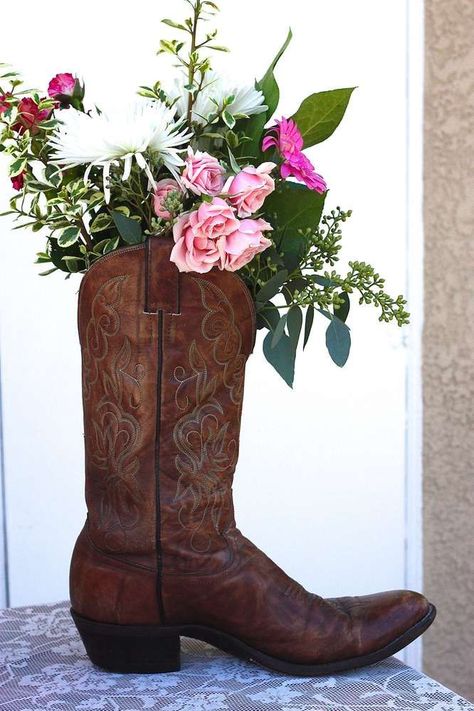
(152, 649)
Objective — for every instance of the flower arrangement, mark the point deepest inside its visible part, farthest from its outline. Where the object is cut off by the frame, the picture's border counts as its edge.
(202, 159)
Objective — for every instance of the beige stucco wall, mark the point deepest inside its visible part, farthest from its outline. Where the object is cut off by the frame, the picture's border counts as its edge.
(449, 341)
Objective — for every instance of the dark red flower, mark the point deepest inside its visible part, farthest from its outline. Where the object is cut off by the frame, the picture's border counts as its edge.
(4, 103)
(18, 181)
(30, 116)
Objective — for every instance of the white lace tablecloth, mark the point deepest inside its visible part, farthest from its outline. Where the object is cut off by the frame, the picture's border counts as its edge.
(43, 667)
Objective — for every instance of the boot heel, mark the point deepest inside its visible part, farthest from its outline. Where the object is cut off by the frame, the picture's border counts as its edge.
(125, 649)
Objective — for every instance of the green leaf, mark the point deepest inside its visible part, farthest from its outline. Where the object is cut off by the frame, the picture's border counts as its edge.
(48, 125)
(320, 114)
(175, 25)
(254, 126)
(293, 209)
(342, 312)
(268, 84)
(296, 284)
(338, 341)
(129, 230)
(101, 222)
(52, 175)
(68, 236)
(229, 120)
(42, 258)
(233, 163)
(322, 281)
(48, 272)
(268, 316)
(17, 167)
(279, 331)
(308, 324)
(73, 263)
(272, 287)
(111, 245)
(294, 322)
(281, 357)
(95, 199)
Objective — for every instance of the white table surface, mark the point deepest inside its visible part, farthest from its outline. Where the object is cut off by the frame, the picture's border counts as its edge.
(43, 667)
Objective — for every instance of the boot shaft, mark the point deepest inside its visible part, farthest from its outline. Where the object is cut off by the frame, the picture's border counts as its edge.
(163, 357)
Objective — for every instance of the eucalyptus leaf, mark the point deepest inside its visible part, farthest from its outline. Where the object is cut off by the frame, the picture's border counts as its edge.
(308, 324)
(338, 341)
(268, 316)
(272, 287)
(281, 357)
(294, 322)
(342, 312)
(320, 114)
(322, 281)
(279, 331)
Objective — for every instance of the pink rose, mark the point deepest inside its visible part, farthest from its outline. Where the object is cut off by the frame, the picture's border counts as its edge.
(247, 241)
(29, 116)
(61, 84)
(202, 173)
(162, 190)
(249, 188)
(18, 181)
(200, 237)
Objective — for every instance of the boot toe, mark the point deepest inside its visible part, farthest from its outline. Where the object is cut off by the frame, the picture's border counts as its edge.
(379, 619)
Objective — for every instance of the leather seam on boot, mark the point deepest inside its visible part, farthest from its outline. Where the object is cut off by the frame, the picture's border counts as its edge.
(159, 387)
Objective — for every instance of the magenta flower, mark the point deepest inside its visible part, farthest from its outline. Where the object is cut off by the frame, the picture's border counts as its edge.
(61, 85)
(286, 137)
(301, 168)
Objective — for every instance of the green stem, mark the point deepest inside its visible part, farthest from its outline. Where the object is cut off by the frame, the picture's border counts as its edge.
(191, 62)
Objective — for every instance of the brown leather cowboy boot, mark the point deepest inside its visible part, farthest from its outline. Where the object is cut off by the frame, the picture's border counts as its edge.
(160, 556)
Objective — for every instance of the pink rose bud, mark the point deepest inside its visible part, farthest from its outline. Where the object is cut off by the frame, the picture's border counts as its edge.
(18, 181)
(162, 190)
(202, 173)
(248, 189)
(29, 116)
(61, 85)
(200, 237)
(247, 241)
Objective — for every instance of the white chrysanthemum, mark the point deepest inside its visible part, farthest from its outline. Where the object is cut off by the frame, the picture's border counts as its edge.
(210, 99)
(103, 139)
